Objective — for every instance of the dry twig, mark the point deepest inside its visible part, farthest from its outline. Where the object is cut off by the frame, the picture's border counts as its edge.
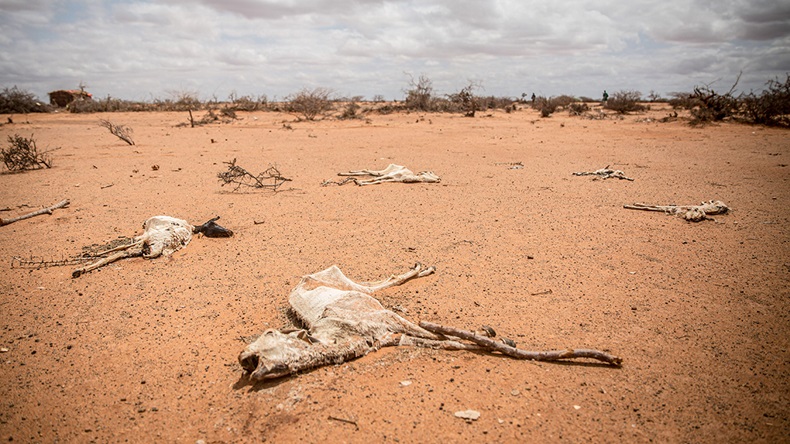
(120, 131)
(47, 210)
(492, 345)
(240, 177)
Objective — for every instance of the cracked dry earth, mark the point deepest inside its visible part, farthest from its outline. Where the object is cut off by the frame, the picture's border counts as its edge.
(146, 350)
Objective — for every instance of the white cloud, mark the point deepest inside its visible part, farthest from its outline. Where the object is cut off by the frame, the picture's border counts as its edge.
(139, 49)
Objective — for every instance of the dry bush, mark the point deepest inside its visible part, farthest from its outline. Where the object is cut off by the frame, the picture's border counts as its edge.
(351, 111)
(419, 96)
(491, 102)
(710, 106)
(22, 154)
(309, 103)
(248, 103)
(465, 100)
(545, 105)
(16, 101)
(120, 131)
(624, 102)
(578, 108)
(772, 106)
(82, 106)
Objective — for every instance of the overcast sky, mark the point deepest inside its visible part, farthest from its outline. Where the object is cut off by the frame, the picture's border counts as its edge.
(141, 50)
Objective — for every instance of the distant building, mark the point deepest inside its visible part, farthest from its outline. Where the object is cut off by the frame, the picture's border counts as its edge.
(65, 96)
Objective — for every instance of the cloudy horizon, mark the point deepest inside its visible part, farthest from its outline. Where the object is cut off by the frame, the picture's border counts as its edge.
(152, 49)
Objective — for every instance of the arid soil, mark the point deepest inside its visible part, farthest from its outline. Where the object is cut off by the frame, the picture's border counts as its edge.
(146, 350)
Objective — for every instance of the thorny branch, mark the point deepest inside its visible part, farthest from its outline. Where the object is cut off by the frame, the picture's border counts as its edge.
(240, 177)
(492, 345)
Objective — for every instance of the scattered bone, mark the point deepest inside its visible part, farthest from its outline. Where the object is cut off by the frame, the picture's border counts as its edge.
(692, 213)
(48, 210)
(344, 322)
(605, 173)
(393, 173)
(162, 236)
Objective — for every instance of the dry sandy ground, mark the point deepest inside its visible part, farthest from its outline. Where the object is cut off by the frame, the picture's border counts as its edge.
(146, 350)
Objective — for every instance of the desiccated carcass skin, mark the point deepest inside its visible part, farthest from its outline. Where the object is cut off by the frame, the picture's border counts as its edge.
(393, 173)
(691, 213)
(342, 322)
(162, 236)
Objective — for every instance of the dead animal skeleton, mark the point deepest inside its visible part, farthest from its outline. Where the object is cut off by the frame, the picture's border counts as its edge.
(605, 173)
(344, 322)
(393, 173)
(692, 213)
(162, 236)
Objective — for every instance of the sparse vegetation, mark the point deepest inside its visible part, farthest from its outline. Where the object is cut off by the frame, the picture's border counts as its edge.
(351, 111)
(309, 103)
(624, 102)
(420, 95)
(22, 154)
(120, 131)
(16, 101)
(710, 106)
(465, 99)
(772, 106)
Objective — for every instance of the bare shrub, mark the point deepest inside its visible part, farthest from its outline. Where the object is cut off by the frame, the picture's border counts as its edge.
(17, 101)
(578, 108)
(772, 106)
(624, 102)
(563, 101)
(22, 154)
(710, 106)
(545, 105)
(309, 103)
(120, 131)
(465, 99)
(419, 96)
(351, 111)
(248, 103)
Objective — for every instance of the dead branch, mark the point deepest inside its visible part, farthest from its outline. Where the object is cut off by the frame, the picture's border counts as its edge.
(347, 421)
(338, 183)
(240, 177)
(120, 131)
(492, 345)
(47, 210)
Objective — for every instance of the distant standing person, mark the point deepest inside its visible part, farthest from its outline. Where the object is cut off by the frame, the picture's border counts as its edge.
(533, 97)
(605, 96)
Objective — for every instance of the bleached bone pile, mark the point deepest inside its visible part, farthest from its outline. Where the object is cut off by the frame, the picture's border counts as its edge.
(393, 173)
(692, 213)
(605, 173)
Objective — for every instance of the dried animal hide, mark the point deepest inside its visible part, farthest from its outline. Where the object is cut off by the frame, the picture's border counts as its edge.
(162, 236)
(342, 321)
(393, 173)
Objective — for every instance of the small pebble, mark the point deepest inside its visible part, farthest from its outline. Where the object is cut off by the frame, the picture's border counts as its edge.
(471, 415)
(405, 383)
